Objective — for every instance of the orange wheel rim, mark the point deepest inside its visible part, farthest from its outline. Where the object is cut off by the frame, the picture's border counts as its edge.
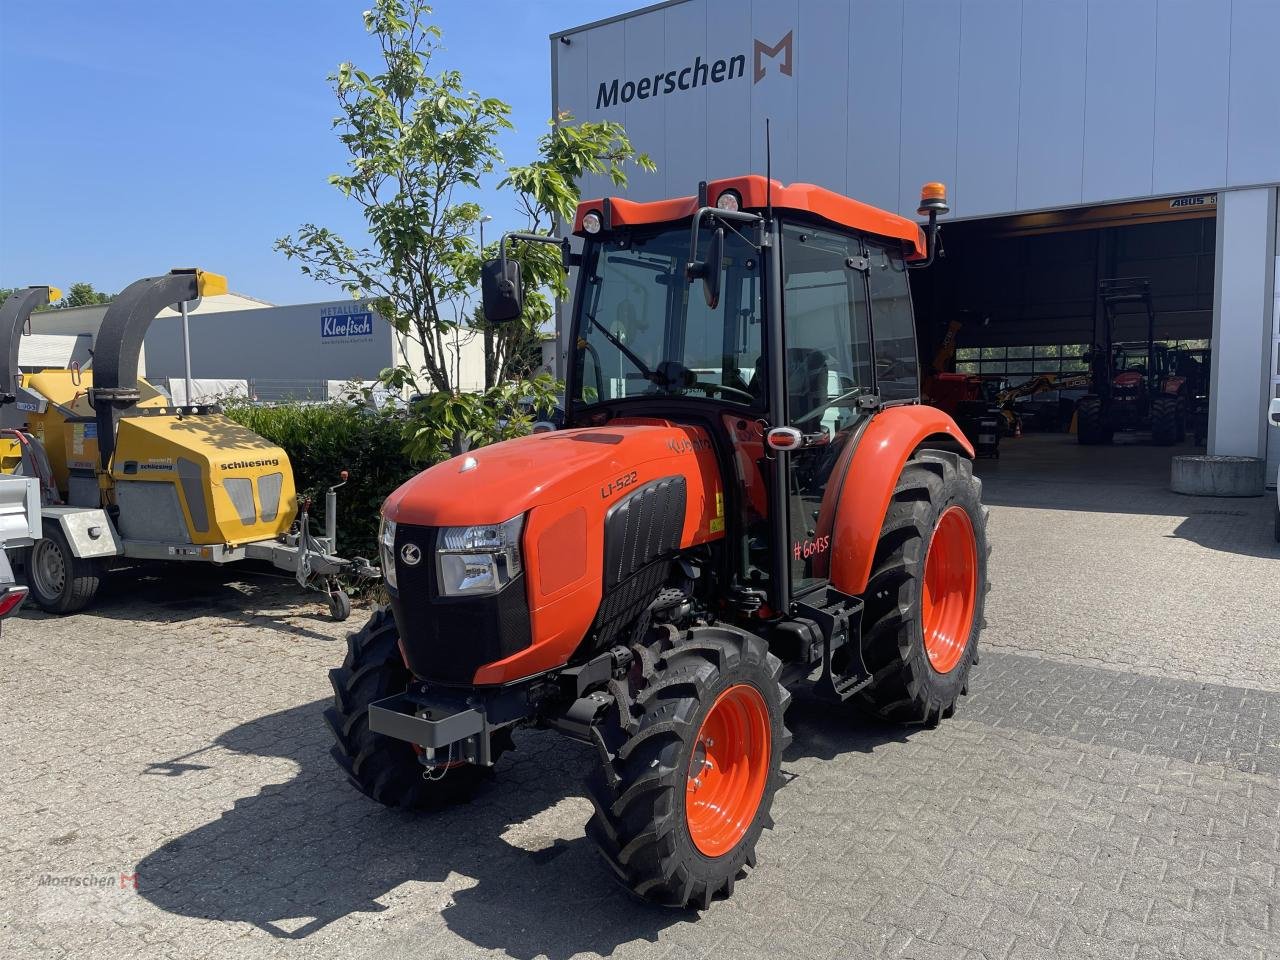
(728, 770)
(949, 598)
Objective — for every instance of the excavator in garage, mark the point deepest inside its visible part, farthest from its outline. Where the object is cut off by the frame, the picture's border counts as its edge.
(747, 498)
(125, 475)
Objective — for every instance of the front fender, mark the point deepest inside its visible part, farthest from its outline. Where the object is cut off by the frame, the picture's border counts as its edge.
(872, 472)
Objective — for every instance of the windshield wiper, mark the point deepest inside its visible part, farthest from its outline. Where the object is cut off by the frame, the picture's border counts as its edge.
(626, 351)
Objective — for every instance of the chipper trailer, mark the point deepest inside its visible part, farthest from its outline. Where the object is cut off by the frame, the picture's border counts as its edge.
(748, 497)
(127, 475)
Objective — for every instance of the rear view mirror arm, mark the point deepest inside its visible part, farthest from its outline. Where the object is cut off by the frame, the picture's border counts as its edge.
(567, 257)
(691, 268)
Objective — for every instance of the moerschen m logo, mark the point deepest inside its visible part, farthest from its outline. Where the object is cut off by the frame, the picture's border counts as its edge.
(699, 74)
(762, 50)
(347, 325)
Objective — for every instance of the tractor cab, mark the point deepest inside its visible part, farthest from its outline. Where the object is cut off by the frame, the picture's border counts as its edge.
(777, 320)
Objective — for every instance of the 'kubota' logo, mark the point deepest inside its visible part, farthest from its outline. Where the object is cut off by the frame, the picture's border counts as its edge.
(763, 50)
(700, 73)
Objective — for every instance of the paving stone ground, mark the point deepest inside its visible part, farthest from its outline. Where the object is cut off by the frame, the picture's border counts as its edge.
(1110, 788)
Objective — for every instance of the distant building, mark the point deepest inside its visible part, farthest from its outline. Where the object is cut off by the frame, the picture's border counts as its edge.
(306, 351)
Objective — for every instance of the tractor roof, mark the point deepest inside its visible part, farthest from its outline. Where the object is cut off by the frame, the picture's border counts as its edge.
(804, 198)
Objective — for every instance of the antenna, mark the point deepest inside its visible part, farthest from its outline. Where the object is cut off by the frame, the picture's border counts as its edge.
(768, 171)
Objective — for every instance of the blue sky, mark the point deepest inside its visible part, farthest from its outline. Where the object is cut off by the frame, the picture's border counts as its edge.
(143, 135)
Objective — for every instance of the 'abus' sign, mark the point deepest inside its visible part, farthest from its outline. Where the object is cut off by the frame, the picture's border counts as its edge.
(347, 325)
(699, 74)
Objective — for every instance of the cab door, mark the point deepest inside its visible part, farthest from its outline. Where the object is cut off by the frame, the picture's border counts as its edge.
(830, 368)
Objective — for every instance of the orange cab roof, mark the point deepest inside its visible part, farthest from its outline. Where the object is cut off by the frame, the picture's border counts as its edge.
(799, 197)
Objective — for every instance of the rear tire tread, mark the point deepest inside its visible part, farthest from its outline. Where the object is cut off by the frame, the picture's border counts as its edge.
(904, 688)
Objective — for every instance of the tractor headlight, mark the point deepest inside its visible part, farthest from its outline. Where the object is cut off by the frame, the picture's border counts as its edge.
(480, 559)
(387, 550)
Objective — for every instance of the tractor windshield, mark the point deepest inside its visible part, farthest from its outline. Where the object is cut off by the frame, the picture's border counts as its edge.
(642, 330)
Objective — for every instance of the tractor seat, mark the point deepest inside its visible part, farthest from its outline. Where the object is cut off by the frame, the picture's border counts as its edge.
(806, 380)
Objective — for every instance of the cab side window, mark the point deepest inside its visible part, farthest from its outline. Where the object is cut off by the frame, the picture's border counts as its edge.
(892, 325)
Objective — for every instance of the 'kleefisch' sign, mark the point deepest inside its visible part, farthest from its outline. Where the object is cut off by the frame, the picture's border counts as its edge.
(346, 325)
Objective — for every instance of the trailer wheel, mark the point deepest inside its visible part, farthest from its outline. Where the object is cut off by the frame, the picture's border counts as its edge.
(692, 760)
(60, 581)
(339, 604)
(1090, 429)
(924, 600)
(1164, 422)
(383, 768)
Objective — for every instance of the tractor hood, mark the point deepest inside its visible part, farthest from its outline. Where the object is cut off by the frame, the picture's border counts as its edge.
(498, 482)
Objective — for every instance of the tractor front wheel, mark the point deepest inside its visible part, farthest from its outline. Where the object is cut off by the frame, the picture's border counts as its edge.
(1090, 429)
(383, 768)
(925, 597)
(1165, 428)
(692, 760)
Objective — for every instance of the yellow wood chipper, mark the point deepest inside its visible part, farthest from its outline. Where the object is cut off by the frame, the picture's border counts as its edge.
(127, 475)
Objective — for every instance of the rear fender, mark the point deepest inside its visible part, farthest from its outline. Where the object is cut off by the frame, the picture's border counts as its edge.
(867, 485)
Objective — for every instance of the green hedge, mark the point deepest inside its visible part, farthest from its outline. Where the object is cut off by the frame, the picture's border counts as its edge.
(323, 439)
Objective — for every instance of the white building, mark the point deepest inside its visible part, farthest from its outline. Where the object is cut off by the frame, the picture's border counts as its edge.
(305, 350)
(1079, 139)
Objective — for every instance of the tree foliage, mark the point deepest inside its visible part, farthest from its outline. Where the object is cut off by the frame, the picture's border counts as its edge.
(82, 295)
(547, 193)
(420, 143)
(417, 142)
(77, 295)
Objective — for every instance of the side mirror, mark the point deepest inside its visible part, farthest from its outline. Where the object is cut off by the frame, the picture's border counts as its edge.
(710, 269)
(501, 291)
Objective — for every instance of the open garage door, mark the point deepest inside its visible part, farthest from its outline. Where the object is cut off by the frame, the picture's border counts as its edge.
(1015, 301)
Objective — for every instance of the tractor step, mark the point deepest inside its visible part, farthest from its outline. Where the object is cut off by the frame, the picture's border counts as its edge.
(827, 632)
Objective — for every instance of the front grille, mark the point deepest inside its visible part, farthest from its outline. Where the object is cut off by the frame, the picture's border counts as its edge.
(446, 639)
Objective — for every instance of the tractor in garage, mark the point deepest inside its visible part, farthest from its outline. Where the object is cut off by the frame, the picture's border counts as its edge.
(1135, 386)
(747, 498)
(125, 475)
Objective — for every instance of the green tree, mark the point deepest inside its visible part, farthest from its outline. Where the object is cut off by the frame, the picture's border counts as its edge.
(419, 144)
(77, 295)
(547, 194)
(82, 295)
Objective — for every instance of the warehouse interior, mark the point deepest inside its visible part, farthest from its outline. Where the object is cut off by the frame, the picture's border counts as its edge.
(1014, 301)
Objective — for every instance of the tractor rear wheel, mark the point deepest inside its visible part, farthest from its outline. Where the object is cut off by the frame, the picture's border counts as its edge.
(1165, 431)
(383, 768)
(1090, 429)
(60, 581)
(692, 760)
(924, 600)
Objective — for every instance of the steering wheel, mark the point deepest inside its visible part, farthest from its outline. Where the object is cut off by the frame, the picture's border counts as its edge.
(712, 388)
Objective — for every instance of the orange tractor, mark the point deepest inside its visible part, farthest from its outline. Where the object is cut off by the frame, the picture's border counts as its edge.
(748, 498)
